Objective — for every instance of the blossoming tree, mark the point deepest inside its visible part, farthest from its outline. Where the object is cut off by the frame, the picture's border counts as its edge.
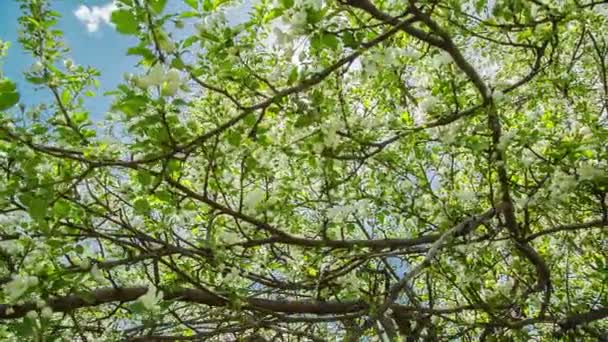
(323, 170)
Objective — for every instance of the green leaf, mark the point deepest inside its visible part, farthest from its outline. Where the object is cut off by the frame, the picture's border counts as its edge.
(234, 138)
(174, 165)
(207, 5)
(140, 51)
(37, 208)
(36, 80)
(79, 249)
(188, 14)
(80, 117)
(158, 5)
(141, 205)
(293, 75)
(315, 42)
(137, 308)
(348, 38)
(125, 22)
(480, 5)
(8, 94)
(7, 100)
(131, 105)
(7, 86)
(25, 328)
(65, 96)
(209, 36)
(189, 41)
(274, 13)
(144, 178)
(61, 208)
(324, 41)
(178, 63)
(192, 3)
(305, 120)
(329, 40)
(287, 3)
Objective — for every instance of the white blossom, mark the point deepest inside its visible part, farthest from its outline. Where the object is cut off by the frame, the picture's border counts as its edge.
(410, 53)
(504, 285)
(228, 237)
(298, 22)
(31, 315)
(589, 172)
(351, 281)
(562, 183)
(46, 312)
(442, 58)
(498, 96)
(142, 82)
(36, 67)
(338, 211)
(151, 297)
(362, 207)
(318, 148)
(282, 38)
(449, 135)
(97, 274)
(173, 75)
(466, 195)
(156, 76)
(170, 88)
(428, 104)
(211, 22)
(527, 159)
(10, 247)
(585, 132)
(68, 64)
(312, 4)
(166, 45)
(84, 264)
(18, 286)
(170, 80)
(330, 131)
(137, 221)
(369, 65)
(254, 198)
(231, 276)
(505, 139)
(389, 57)
(32, 281)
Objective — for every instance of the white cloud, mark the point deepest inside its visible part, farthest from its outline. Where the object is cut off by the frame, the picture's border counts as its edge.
(93, 16)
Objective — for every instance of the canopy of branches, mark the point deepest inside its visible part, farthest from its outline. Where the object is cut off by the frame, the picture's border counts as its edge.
(321, 170)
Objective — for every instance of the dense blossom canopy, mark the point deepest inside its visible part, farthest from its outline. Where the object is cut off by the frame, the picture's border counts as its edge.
(321, 170)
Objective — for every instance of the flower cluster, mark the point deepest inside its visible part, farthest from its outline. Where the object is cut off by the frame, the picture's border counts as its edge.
(15, 288)
(10, 247)
(426, 106)
(151, 298)
(562, 183)
(442, 58)
(589, 172)
(254, 198)
(211, 22)
(169, 81)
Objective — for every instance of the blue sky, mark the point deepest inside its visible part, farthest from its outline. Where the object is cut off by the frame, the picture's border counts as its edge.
(92, 41)
(103, 49)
